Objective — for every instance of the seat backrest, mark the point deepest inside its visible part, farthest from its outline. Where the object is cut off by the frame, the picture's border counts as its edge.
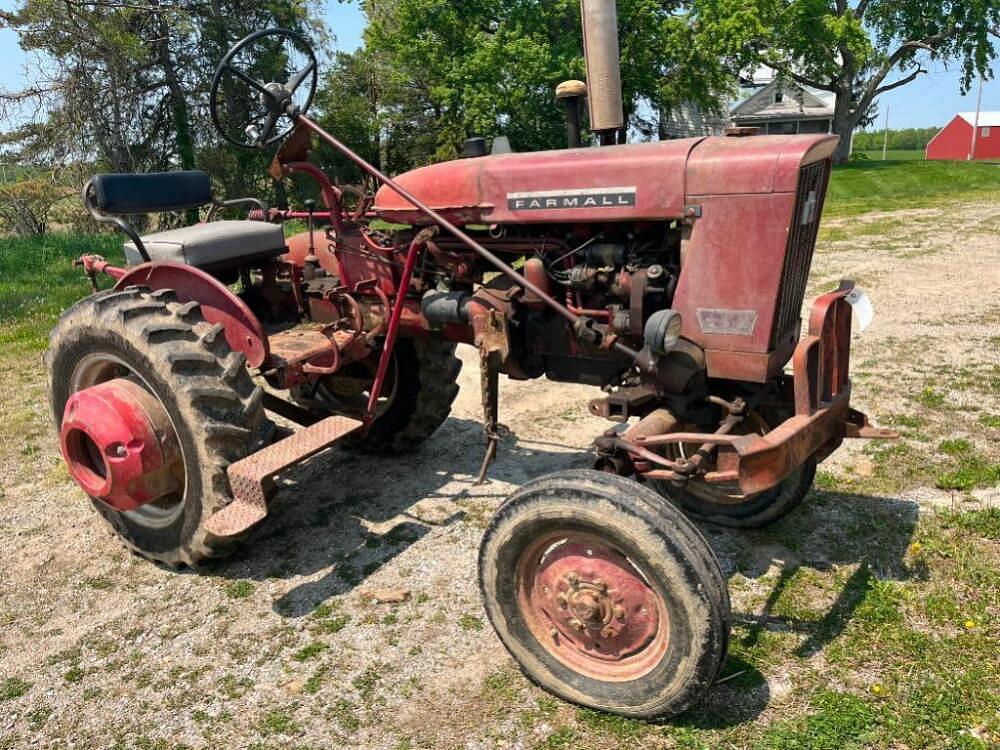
(151, 192)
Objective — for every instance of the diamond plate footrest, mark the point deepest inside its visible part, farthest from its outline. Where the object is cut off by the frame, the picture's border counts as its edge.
(248, 475)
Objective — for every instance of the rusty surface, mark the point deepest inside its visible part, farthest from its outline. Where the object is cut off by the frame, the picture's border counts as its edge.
(591, 608)
(119, 445)
(249, 476)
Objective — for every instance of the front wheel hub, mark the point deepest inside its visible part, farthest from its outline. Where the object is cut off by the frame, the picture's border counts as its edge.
(119, 444)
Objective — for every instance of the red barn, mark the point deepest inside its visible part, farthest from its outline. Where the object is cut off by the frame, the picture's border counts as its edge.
(954, 143)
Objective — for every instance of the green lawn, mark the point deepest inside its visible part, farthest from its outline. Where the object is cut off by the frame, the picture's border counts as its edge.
(861, 187)
(38, 281)
(916, 155)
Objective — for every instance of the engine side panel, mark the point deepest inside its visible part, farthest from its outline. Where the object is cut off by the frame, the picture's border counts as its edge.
(643, 181)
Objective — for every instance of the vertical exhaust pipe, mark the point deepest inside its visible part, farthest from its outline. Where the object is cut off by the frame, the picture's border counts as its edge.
(604, 83)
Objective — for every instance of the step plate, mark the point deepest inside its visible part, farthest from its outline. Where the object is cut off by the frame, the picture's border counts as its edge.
(248, 475)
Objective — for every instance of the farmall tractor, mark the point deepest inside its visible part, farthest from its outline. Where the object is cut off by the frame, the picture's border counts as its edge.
(670, 275)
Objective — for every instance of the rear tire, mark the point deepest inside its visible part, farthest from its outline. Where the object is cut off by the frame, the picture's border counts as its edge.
(214, 407)
(605, 596)
(425, 388)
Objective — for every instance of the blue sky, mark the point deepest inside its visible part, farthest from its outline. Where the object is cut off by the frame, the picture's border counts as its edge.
(931, 100)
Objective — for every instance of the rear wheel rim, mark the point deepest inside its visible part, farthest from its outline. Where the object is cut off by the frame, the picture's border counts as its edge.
(592, 607)
(100, 367)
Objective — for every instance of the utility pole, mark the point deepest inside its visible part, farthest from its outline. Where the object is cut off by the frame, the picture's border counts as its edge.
(885, 140)
(975, 126)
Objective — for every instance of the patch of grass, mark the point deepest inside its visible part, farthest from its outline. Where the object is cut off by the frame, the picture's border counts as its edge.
(239, 589)
(470, 622)
(971, 472)
(13, 687)
(895, 155)
(561, 738)
(100, 583)
(367, 681)
(865, 186)
(345, 714)
(930, 398)
(334, 624)
(38, 717)
(990, 420)
(278, 722)
(839, 721)
(315, 681)
(607, 724)
(38, 282)
(310, 651)
(955, 446)
(74, 674)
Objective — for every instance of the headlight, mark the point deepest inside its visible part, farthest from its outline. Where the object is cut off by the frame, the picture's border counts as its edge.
(662, 331)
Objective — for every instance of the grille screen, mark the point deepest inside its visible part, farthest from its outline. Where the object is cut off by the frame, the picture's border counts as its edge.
(798, 254)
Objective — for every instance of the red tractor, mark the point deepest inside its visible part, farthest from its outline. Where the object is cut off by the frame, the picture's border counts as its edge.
(670, 275)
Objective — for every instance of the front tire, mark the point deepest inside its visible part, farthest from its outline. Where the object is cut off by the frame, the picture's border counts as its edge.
(213, 406)
(605, 596)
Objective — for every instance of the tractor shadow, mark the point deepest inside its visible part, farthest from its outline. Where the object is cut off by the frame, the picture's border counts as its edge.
(341, 516)
(348, 514)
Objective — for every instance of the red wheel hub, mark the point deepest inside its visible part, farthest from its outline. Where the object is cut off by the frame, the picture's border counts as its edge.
(592, 608)
(119, 445)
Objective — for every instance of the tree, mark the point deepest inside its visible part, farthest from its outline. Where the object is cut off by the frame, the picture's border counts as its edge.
(490, 67)
(123, 84)
(857, 49)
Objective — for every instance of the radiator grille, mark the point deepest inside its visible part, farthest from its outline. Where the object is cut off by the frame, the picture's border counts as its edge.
(798, 254)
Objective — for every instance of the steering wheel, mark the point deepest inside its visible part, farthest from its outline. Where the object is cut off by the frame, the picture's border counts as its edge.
(250, 113)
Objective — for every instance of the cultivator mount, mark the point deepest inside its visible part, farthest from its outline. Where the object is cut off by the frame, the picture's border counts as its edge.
(671, 275)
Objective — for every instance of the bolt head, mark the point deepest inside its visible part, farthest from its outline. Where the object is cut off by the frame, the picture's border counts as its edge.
(576, 624)
(608, 633)
(620, 613)
(600, 584)
(572, 579)
(562, 601)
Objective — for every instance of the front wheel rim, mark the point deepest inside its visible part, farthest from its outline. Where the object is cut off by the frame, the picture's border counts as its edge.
(591, 607)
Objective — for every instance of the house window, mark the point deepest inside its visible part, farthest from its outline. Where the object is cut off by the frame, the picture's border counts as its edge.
(779, 97)
(986, 132)
(781, 128)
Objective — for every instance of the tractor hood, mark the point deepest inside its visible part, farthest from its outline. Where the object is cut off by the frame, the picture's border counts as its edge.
(643, 181)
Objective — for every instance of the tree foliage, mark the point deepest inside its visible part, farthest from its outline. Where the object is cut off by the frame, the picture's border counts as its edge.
(446, 70)
(857, 49)
(122, 85)
(905, 139)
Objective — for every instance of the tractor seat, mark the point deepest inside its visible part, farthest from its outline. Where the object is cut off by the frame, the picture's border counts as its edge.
(214, 244)
(211, 246)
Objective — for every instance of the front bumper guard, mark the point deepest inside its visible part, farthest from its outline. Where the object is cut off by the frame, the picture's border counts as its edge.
(823, 416)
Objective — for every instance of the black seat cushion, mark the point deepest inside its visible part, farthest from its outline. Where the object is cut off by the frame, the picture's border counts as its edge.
(151, 192)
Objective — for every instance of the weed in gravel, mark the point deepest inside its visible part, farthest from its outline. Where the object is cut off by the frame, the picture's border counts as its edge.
(13, 687)
(99, 583)
(315, 682)
(367, 681)
(990, 420)
(310, 651)
(38, 717)
(930, 398)
(239, 589)
(470, 622)
(278, 721)
(345, 714)
(74, 674)
(334, 624)
(559, 739)
(234, 687)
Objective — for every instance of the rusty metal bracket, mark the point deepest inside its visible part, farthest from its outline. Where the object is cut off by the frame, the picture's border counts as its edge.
(249, 477)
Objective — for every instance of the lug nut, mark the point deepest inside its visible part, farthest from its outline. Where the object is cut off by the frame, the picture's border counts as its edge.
(600, 585)
(572, 579)
(562, 601)
(576, 625)
(620, 613)
(608, 633)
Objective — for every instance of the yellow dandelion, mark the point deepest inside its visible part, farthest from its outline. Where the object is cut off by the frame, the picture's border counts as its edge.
(915, 548)
(970, 624)
(877, 689)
